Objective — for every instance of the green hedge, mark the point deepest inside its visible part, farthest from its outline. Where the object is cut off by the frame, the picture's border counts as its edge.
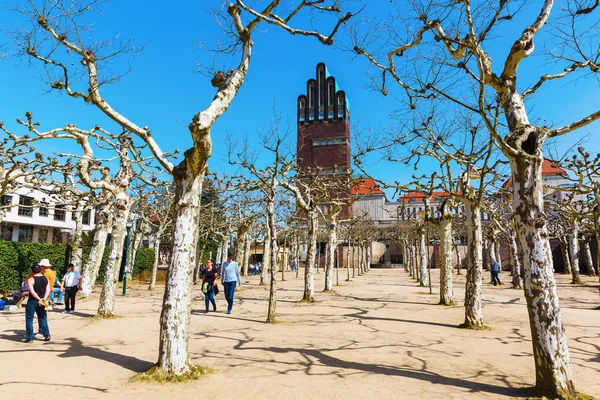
(16, 259)
(144, 260)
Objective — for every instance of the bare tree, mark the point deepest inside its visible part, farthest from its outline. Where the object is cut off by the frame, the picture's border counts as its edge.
(450, 41)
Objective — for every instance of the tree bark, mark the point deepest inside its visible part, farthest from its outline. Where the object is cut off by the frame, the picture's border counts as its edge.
(423, 274)
(368, 259)
(94, 260)
(445, 232)
(550, 349)
(272, 233)
(309, 275)
(516, 264)
(266, 257)
(473, 304)
(246, 256)
(574, 252)
(330, 255)
(173, 353)
(564, 251)
(75, 258)
(587, 256)
(458, 259)
(348, 260)
(155, 263)
(106, 307)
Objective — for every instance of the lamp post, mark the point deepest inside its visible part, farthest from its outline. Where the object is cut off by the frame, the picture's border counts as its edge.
(126, 256)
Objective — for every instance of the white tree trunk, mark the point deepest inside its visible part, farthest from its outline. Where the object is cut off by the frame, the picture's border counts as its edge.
(423, 274)
(75, 258)
(266, 257)
(473, 304)
(348, 260)
(173, 355)
(330, 255)
(516, 264)
(368, 259)
(550, 349)
(106, 307)
(587, 256)
(309, 274)
(458, 259)
(246, 256)
(564, 251)
(94, 260)
(445, 232)
(413, 260)
(272, 237)
(155, 263)
(134, 246)
(225, 249)
(219, 254)
(574, 252)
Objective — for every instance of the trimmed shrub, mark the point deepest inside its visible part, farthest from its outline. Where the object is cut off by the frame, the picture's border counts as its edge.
(144, 260)
(16, 259)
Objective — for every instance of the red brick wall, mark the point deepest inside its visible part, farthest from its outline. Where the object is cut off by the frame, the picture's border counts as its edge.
(323, 156)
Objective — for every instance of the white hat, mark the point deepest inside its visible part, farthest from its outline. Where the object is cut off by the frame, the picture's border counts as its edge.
(45, 263)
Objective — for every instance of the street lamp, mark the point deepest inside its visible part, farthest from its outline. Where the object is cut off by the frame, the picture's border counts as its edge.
(125, 256)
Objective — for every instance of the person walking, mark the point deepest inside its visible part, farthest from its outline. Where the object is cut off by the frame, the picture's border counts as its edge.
(39, 289)
(71, 283)
(230, 276)
(495, 270)
(209, 277)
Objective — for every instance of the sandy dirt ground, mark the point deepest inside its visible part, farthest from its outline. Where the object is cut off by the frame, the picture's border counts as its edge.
(377, 337)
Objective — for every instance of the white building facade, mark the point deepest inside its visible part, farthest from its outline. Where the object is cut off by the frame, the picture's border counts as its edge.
(31, 215)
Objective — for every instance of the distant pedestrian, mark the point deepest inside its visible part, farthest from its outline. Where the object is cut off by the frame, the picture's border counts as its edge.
(71, 282)
(39, 290)
(230, 276)
(495, 270)
(208, 279)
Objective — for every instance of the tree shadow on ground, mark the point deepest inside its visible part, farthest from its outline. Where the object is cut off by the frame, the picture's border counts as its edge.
(76, 348)
(61, 385)
(318, 357)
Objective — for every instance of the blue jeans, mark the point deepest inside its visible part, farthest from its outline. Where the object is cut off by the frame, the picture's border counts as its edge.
(229, 291)
(31, 309)
(210, 297)
(60, 295)
(496, 278)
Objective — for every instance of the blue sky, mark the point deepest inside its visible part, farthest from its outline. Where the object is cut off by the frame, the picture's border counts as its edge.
(164, 90)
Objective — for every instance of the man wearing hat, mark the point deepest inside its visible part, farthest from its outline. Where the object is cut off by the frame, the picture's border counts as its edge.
(51, 275)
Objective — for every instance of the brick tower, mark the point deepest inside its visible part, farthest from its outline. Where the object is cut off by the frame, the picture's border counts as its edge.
(323, 128)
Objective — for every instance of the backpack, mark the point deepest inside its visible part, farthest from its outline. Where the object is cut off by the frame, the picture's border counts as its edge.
(24, 287)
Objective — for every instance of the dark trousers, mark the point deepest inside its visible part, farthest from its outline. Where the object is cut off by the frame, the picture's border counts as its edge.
(32, 308)
(495, 278)
(229, 291)
(70, 295)
(210, 297)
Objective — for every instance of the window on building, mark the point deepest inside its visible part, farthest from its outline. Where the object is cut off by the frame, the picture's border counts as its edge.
(73, 215)
(43, 212)
(25, 233)
(145, 244)
(57, 236)
(86, 217)
(6, 232)
(311, 97)
(43, 235)
(25, 206)
(331, 94)
(5, 200)
(59, 213)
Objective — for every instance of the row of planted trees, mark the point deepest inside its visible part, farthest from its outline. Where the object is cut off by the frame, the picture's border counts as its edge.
(446, 80)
